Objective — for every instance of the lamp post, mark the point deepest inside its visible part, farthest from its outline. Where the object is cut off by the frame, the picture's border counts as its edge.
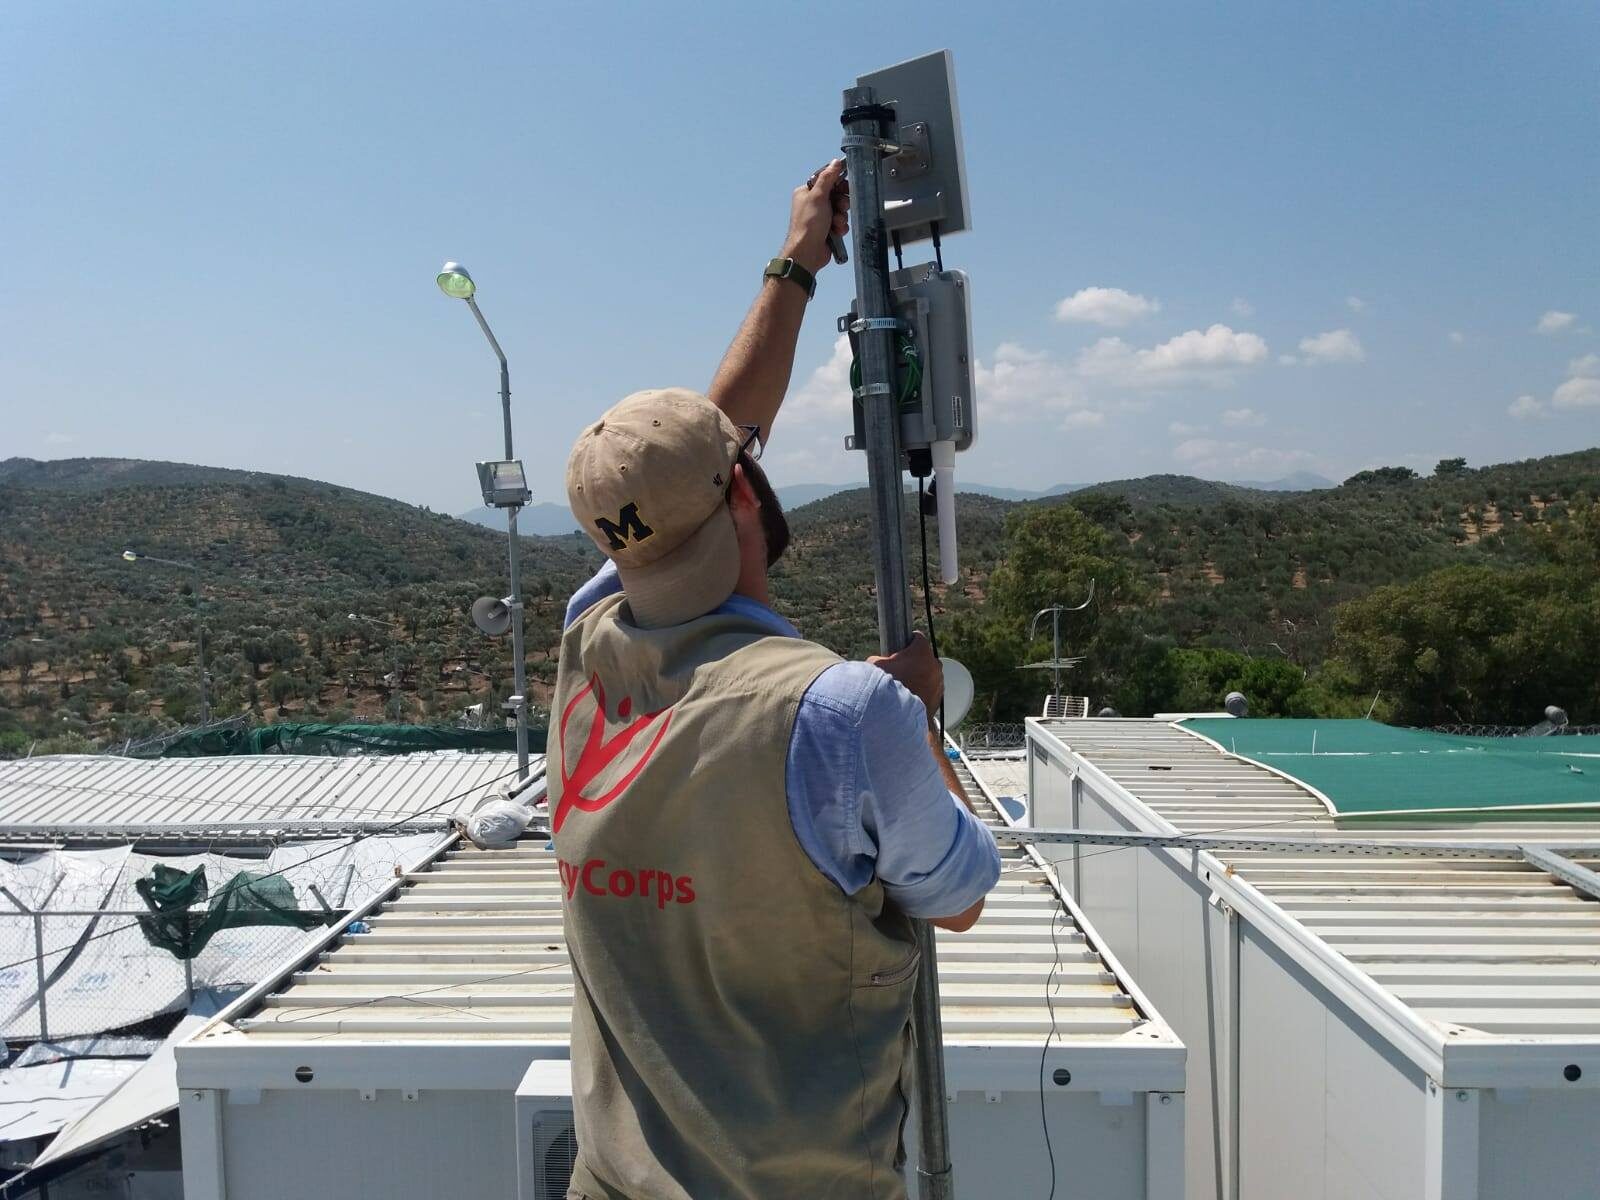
(504, 486)
(199, 627)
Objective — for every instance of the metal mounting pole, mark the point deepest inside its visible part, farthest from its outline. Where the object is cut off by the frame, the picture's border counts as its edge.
(881, 423)
(519, 663)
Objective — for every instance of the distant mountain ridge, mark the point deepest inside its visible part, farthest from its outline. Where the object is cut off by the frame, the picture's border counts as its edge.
(547, 519)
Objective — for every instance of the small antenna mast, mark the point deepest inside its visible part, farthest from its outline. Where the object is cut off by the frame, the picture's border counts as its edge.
(1057, 664)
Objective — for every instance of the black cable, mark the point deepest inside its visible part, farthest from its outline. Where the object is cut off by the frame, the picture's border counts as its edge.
(1050, 1003)
(938, 254)
(899, 262)
(927, 587)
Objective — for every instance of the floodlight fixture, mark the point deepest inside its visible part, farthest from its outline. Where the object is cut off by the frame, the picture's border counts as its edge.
(132, 555)
(1236, 705)
(504, 483)
(455, 282)
(1557, 716)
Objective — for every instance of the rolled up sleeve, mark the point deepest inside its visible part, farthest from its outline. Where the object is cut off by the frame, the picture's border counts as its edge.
(934, 858)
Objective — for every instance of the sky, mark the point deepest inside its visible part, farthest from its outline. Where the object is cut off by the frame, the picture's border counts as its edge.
(1235, 240)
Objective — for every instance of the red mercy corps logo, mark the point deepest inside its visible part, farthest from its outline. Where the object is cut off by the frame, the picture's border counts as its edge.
(598, 754)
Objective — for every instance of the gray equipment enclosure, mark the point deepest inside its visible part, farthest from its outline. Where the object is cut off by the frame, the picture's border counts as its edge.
(936, 307)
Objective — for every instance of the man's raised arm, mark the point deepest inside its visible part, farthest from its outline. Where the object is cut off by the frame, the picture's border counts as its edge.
(754, 374)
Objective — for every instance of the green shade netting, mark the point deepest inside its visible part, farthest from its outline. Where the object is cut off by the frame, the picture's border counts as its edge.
(177, 926)
(1365, 768)
(312, 738)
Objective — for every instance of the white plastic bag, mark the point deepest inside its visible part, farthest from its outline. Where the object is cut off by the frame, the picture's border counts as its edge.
(498, 823)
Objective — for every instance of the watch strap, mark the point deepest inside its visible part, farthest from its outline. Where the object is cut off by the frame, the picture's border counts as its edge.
(787, 268)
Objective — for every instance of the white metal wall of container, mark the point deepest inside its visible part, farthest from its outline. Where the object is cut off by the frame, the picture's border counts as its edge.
(1358, 1025)
(101, 796)
(385, 1067)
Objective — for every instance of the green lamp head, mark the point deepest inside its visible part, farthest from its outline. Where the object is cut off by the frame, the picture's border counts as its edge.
(455, 282)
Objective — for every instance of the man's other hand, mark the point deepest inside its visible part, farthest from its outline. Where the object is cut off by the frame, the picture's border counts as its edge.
(916, 667)
(820, 206)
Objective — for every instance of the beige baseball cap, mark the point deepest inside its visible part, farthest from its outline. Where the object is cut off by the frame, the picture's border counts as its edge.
(648, 482)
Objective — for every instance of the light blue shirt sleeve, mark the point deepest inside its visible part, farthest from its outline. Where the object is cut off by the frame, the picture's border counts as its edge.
(606, 582)
(867, 798)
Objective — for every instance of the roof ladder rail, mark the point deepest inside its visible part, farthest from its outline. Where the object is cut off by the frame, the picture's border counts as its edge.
(1563, 868)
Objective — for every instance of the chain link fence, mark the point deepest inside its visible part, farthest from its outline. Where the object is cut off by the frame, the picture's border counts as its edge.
(119, 979)
(82, 953)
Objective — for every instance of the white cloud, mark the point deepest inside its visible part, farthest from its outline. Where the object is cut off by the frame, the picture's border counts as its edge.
(1239, 459)
(1214, 357)
(1243, 416)
(1182, 429)
(1335, 346)
(1581, 389)
(1554, 322)
(1355, 303)
(826, 392)
(1106, 306)
(1196, 449)
(1242, 307)
(1084, 418)
(60, 439)
(1021, 381)
(1525, 408)
(1577, 392)
(1457, 338)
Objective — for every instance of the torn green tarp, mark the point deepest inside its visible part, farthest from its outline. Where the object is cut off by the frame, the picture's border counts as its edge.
(318, 738)
(176, 926)
(1365, 768)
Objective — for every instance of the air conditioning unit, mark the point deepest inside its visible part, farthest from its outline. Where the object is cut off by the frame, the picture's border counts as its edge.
(547, 1143)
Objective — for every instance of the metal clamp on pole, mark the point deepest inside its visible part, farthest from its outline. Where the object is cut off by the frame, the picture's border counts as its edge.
(864, 120)
(895, 324)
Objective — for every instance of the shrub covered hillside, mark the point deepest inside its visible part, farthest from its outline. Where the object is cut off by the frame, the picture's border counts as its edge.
(101, 649)
(1467, 595)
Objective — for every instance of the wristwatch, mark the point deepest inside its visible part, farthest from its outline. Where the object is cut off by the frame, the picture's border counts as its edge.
(787, 268)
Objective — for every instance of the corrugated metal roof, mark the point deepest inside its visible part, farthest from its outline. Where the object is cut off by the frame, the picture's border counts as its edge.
(1492, 945)
(472, 949)
(105, 796)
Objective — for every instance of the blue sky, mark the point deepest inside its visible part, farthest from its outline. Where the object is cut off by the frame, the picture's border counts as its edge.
(1234, 241)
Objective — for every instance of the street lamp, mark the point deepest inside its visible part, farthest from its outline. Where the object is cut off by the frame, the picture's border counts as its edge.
(504, 486)
(199, 627)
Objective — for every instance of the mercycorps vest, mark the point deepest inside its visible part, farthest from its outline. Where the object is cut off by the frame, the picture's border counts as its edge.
(739, 1025)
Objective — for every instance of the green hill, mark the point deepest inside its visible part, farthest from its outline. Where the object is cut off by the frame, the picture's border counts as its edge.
(105, 647)
(93, 646)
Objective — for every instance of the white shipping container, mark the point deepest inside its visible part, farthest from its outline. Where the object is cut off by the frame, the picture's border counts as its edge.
(1358, 1025)
(416, 1059)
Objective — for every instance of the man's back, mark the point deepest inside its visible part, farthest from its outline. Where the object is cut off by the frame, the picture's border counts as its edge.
(740, 1023)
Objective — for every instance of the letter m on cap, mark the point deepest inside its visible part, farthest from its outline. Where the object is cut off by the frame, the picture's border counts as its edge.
(628, 525)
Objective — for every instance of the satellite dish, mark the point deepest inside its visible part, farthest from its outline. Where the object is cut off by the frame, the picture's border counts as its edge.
(490, 614)
(958, 692)
(1237, 705)
(1108, 712)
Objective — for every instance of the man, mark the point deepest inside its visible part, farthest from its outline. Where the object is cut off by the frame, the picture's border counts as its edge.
(743, 821)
